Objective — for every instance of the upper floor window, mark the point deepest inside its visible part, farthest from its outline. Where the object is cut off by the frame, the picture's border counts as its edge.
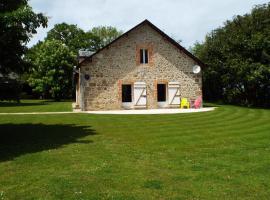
(143, 56)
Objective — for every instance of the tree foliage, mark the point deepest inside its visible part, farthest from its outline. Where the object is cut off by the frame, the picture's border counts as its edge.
(73, 37)
(106, 34)
(238, 59)
(51, 71)
(51, 61)
(18, 23)
(10, 89)
(76, 38)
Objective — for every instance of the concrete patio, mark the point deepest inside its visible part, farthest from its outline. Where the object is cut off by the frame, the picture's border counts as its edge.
(150, 111)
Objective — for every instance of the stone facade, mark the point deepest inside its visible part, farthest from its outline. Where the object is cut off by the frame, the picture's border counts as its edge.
(119, 64)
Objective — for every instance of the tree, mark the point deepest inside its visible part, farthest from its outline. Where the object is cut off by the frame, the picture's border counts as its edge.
(106, 34)
(238, 59)
(18, 23)
(73, 37)
(51, 71)
(51, 62)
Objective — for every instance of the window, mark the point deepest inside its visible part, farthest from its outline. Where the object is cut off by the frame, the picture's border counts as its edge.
(161, 92)
(143, 56)
(126, 93)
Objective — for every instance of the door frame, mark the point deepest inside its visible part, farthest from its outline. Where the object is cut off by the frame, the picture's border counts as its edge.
(162, 104)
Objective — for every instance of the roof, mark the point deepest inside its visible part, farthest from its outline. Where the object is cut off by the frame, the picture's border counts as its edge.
(172, 41)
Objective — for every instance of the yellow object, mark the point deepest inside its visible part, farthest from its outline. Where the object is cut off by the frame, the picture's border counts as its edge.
(184, 103)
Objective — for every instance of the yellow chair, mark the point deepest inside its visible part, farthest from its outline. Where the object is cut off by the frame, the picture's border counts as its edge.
(184, 103)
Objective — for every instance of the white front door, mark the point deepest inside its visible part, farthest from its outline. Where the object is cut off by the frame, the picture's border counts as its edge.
(140, 94)
(174, 93)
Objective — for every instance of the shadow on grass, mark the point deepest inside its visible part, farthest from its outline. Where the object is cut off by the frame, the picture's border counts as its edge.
(15, 104)
(20, 139)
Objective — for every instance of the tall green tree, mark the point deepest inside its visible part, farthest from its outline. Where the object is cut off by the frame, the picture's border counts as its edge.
(73, 37)
(238, 59)
(106, 34)
(18, 23)
(51, 71)
(51, 61)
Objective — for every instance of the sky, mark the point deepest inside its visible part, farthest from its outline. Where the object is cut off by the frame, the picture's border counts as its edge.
(185, 20)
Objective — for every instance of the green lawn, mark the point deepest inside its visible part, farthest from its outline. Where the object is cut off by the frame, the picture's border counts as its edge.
(223, 154)
(34, 106)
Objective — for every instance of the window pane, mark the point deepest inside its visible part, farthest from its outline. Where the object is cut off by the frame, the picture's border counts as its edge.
(146, 55)
(141, 55)
(161, 92)
(126, 93)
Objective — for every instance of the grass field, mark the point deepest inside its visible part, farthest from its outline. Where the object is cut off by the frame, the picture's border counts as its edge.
(223, 154)
(35, 106)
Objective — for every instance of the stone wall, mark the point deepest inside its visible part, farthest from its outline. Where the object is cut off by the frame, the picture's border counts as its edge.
(118, 64)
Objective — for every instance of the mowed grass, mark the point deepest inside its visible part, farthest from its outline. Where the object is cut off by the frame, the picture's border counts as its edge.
(34, 106)
(223, 154)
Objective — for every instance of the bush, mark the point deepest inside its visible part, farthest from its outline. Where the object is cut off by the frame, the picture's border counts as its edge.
(10, 89)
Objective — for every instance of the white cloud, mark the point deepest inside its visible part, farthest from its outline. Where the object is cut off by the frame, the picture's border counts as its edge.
(188, 20)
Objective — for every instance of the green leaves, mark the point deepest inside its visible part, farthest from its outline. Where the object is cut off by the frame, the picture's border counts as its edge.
(51, 73)
(105, 34)
(75, 38)
(18, 23)
(70, 35)
(51, 62)
(238, 59)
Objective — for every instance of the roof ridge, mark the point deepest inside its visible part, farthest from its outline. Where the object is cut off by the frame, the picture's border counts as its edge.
(146, 21)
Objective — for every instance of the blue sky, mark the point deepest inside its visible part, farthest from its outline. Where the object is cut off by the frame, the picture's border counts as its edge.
(187, 20)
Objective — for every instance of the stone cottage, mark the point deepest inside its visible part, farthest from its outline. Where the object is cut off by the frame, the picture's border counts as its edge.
(142, 69)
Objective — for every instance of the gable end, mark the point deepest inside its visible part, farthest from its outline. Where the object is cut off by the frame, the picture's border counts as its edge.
(169, 39)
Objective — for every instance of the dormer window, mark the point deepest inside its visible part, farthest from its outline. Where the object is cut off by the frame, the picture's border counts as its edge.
(143, 56)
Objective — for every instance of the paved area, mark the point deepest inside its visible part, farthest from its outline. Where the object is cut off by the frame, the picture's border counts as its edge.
(122, 112)
(151, 111)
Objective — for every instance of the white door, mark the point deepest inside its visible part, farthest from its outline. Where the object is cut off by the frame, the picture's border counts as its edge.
(139, 94)
(174, 93)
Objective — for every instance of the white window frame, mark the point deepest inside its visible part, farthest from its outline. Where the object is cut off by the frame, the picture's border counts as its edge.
(144, 56)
